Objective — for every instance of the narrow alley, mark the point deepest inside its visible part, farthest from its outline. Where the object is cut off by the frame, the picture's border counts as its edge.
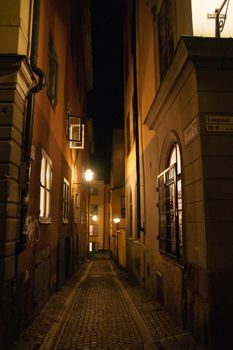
(102, 308)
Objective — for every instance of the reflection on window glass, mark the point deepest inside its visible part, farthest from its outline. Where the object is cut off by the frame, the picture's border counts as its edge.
(45, 188)
(170, 206)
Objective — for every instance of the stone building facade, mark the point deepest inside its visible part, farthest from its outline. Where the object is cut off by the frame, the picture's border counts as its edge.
(178, 121)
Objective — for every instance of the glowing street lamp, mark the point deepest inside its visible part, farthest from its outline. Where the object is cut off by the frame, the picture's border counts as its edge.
(89, 175)
(116, 221)
(94, 217)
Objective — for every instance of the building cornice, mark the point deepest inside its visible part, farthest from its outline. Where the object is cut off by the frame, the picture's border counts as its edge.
(191, 53)
(15, 72)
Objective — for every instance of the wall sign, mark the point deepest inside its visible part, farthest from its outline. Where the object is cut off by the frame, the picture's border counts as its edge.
(219, 123)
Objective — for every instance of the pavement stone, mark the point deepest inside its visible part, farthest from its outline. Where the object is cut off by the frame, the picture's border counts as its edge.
(100, 317)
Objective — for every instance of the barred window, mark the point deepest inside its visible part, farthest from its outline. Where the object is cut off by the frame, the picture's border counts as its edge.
(45, 188)
(170, 206)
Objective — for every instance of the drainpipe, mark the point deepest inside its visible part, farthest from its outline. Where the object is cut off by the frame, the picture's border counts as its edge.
(21, 244)
(135, 119)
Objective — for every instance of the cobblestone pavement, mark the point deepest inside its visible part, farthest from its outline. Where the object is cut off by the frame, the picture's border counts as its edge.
(102, 308)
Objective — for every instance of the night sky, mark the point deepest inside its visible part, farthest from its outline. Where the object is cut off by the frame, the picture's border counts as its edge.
(106, 100)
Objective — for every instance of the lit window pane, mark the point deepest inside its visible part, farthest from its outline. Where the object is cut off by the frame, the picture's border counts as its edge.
(48, 176)
(48, 199)
(42, 172)
(42, 202)
(178, 160)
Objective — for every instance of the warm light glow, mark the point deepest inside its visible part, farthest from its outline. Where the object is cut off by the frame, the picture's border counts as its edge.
(89, 174)
(202, 26)
(116, 220)
(94, 217)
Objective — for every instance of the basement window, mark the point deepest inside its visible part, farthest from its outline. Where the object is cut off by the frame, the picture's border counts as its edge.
(170, 207)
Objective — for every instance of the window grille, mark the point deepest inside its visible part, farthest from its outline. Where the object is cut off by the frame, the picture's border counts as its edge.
(170, 208)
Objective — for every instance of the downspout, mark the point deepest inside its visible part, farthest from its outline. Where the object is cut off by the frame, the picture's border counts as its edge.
(21, 244)
(135, 119)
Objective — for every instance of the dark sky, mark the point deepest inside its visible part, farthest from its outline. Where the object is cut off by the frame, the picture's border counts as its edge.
(106, 99)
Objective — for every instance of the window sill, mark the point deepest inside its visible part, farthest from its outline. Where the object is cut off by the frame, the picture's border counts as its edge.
(172, 259)
(43, 220)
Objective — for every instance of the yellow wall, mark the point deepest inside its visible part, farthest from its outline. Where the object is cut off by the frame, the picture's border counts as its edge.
(15, 26)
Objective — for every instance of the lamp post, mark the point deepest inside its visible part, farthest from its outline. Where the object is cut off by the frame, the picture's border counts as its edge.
(89, 174)
(116, 221)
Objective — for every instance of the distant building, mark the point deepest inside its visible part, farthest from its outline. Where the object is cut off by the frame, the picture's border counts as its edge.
(179, 156)
(99, 216)
(117, 198)
(45, 74)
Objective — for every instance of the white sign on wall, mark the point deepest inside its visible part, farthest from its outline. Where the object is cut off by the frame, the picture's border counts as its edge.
(219, 123)
(203, 25)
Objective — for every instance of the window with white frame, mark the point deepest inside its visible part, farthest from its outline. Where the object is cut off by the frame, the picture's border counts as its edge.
(65, 209)
(170, 206)
(45, 188)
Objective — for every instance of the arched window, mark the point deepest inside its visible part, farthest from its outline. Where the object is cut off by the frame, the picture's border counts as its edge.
(170, 206)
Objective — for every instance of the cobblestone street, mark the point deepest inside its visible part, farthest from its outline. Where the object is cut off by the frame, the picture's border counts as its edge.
(102, 308)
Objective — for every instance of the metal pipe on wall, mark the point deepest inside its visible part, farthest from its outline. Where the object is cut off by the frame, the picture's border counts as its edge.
(28, 127)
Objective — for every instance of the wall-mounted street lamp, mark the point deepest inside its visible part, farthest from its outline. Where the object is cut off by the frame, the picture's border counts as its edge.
(220, 19)
(116, 221)
(89, 175)
(94, 218)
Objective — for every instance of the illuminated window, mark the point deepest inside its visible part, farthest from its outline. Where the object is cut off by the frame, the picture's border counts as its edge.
(45, 188)
(65, 209)
(166, 39)
(170, 206)
(93, 230)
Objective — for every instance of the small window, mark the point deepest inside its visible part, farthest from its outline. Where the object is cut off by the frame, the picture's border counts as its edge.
(94, 191)
(52, 72)
(45, 188)
(93, 230)
(170, 206)
(123, 206)
(166, 38)
(65, 209)
(94, 209)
